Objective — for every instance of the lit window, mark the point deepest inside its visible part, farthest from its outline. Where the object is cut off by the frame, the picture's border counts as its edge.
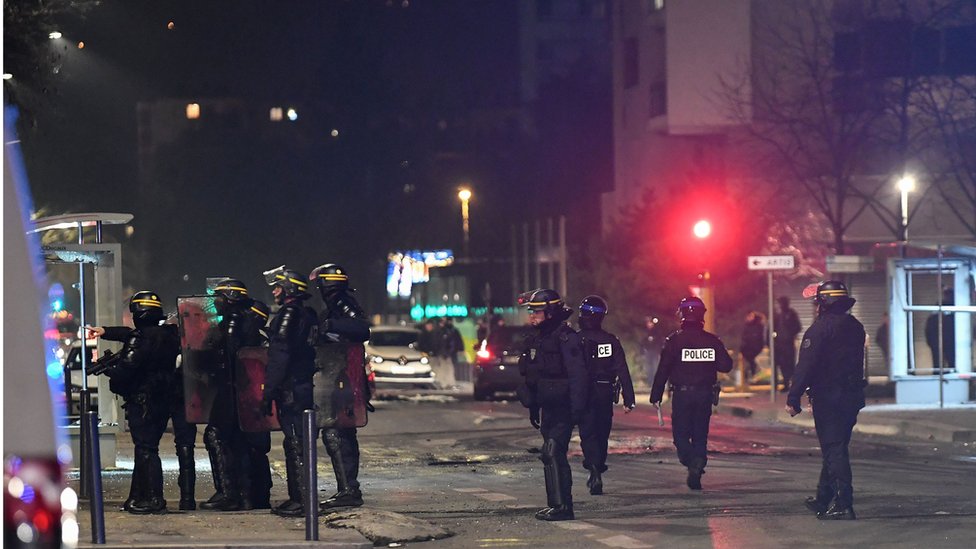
(292, 114)
(192, 111)
(276, 114)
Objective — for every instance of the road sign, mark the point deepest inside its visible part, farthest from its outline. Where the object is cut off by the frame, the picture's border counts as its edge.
(770, 262)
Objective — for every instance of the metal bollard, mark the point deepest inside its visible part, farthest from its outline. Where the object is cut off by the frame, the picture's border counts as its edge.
(310, 440)
(84, 445)
(90, 424)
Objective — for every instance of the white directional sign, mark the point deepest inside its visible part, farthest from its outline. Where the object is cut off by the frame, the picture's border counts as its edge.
(770, 262)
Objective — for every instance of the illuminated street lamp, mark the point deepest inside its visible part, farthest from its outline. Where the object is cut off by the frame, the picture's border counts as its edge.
(906, 185)
(465, 195)
(702, 229)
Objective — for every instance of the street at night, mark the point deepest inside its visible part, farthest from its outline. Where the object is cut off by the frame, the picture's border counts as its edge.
(473, 468)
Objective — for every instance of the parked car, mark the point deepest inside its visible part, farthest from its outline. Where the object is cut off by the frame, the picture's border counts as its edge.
(496, 368)
(392, 354)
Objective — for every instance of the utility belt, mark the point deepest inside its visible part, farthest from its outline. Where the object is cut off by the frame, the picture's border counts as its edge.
(715, 389)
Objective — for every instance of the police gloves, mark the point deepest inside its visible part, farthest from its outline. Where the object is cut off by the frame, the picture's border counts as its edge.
(534, 418)
(266, 407)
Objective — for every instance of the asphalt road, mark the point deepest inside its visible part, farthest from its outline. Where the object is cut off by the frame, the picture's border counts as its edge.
(473, 467)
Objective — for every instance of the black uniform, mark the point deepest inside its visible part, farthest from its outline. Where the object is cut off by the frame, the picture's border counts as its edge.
(558, 381)
(143, 378)
(291, 364)
(343, 320)
(255, 469)
(690, 359)
(184, 436)
(608, 373)
(831, 367)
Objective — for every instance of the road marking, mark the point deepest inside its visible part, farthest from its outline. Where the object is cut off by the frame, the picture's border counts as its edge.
(575, 525)
(491, 496)
(626, 542)
(469, 490)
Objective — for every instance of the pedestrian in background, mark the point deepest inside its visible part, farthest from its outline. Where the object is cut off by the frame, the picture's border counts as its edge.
(786, 326)
(753, 341)
(691, 360)
(831, 370)
(650, 347)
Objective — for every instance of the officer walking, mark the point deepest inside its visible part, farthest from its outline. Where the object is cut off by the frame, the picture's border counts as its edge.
(556, 386)
(342, 321)
(291, 364)
(830, 369)
(689, 360)
(142, 377)
(609, 375)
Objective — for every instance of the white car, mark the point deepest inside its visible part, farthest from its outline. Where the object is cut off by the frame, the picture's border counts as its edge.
(392, 354)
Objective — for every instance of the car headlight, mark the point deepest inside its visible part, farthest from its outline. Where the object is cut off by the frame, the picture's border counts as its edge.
(424, 360)
(377, 359)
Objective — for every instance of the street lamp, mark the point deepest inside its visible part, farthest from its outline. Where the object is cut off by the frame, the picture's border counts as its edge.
(906, 185)
(702, 229)
(465, 195)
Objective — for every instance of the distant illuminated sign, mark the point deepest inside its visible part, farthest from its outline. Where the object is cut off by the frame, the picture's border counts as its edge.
(432, 311)
(413, 267)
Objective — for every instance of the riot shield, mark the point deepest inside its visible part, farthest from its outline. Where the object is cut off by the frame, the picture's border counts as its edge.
(199, 345)
(251, 368)
(340, 385)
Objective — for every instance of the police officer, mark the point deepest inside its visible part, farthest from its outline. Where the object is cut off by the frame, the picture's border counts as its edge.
(142, 377)
(256, 470)
(609, 376)
(223, 436)
(342, 320)
(556, 386)
(291, 364)
(830, 369)
(689, 360)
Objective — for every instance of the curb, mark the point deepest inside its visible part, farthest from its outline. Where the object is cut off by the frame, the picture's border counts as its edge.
(365, 544)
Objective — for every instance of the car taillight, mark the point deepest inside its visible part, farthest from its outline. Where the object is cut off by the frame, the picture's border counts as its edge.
(484, 354)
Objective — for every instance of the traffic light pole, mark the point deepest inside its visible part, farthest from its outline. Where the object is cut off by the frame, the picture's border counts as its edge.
(772, 343)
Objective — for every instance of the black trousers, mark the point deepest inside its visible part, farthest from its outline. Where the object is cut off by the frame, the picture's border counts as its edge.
(343, 443)
(184, 434)
(834, 415)
(557, 430)
(786, 360)
(691, 412)
(595, 426)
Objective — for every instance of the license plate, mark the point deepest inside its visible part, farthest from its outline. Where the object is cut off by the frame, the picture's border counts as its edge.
(403, 370)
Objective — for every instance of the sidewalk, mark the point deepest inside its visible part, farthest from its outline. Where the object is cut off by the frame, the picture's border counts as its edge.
(881, 416)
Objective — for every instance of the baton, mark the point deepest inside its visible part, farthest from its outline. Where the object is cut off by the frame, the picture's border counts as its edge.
(660, 416)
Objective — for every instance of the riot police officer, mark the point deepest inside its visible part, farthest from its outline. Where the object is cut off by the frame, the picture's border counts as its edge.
(556, 384)
(291, 364)
(256, 480)
(223, 436)
(142, 376)
(830, 369)
(342, 320)
(690, 359)
(609, 376)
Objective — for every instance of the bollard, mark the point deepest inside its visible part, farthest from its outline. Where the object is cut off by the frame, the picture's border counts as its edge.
(84, 445)
(310, 440)
(90, 424)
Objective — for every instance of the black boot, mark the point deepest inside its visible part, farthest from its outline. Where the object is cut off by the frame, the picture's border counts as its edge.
(187, 478)
(842, 508)
(350, 497)
(595, 482)
(227, 471)
(154, 502)
(696, 469)
(559, 485)
(345, 496)
(293, 506)
(137, 485)
(210, 441)
(260, 473)
(819, 503)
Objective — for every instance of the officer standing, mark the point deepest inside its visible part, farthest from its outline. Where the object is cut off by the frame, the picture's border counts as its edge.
(342, 321)
(689, 360)
(556, 385)
(291, 364)
(609, 376)
(142, 377)
(786, 326)
(223, 435)
(256, 470)
(831, 370)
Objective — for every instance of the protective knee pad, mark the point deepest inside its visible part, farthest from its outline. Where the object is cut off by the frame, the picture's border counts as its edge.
(333, 444)
(548, 453)
(211, 437)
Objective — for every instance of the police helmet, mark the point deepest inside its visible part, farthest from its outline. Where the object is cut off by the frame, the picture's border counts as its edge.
(542, 299)
(293, 283)
(692, 309)
(146, 308)
(593, 307)
(231, 290)
(329, 278)
(259, 309)
(833, 294)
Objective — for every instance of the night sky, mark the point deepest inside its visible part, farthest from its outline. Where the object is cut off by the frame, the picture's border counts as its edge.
(399, 82)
